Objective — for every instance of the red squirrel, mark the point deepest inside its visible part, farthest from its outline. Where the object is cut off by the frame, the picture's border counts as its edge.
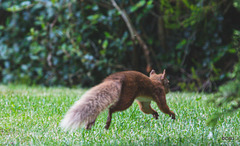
(117, 93)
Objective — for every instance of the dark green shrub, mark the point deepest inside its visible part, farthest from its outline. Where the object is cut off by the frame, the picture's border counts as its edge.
(69, 42)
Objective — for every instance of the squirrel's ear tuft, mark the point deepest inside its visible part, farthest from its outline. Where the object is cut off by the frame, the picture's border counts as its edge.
(152, 72)
(163, 74)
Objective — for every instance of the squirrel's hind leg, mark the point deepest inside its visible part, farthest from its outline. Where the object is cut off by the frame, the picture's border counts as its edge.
(90, 124)
(109, 119)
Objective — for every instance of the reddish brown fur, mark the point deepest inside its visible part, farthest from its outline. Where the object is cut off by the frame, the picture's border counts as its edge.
(129, 86)
(136, 84)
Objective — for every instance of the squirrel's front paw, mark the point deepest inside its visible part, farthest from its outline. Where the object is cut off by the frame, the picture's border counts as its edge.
(155, 115)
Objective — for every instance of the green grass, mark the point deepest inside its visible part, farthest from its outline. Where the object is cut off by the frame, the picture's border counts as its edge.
(31, 116)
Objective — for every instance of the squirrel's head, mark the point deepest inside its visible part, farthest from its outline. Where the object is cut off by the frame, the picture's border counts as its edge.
(162, 78)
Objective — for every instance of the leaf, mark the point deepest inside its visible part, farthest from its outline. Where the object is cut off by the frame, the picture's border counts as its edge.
(20, 7)
(25, 4)
(14, 8)
(103, 52)
(105, 44)
(232, 50)
(150, 4)
(93, 17)
(181, 44)
(108, 35)
(1, 27)
(24, 67)
(137, 6)
(95, 8)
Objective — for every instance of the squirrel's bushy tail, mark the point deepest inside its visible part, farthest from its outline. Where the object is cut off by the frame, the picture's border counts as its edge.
(94, 101)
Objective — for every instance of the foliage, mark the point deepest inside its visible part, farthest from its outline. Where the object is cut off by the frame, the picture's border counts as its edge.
(31, 116)
(228, 97)
(68, 42)
(51, 45)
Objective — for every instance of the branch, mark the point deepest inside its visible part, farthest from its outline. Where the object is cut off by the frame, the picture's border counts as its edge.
(125, 18)
(135, 35)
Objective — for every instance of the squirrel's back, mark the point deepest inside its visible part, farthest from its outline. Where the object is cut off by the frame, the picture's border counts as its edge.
(128, 76)
(132, 81)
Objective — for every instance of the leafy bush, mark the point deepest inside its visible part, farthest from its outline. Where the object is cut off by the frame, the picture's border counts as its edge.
(68, 42)
(228, 97)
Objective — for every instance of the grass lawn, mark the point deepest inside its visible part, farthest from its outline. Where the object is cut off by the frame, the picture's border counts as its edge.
(31, 116)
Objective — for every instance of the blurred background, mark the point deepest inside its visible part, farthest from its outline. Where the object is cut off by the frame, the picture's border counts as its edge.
(80, 42)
